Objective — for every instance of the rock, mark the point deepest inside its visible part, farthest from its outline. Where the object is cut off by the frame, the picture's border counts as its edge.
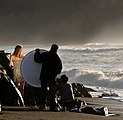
(8, 94)
(79, 90)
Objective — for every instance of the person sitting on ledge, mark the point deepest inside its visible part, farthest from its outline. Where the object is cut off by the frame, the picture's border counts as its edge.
(67, 100)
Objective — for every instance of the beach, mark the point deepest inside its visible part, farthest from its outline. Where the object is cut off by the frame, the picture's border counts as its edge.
(100, 73)
(29, 113)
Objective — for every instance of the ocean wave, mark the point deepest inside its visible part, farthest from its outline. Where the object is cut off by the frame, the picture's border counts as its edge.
(91, 50)
(97, 44)
(94, 78)
(92, 47)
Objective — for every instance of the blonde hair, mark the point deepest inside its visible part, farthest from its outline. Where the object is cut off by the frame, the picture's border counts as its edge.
(17, 49)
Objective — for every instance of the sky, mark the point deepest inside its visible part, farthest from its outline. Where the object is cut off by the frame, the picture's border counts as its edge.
(65, 22)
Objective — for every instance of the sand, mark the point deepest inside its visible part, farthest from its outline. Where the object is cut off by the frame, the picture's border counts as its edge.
(27, 113)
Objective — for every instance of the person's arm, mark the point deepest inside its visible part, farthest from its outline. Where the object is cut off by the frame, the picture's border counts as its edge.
(11, 62)
(59, 66)
(37, 56)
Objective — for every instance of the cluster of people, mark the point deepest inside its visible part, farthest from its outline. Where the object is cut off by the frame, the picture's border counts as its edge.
(60, 92)
(51, 67)
(60, 95)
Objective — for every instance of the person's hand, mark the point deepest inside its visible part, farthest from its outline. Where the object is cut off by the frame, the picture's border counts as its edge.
(37, 50)
(12, 67)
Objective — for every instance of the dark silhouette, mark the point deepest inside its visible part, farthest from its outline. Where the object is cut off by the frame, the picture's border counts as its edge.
(8, 93)
(51, 67)
(65, 91)
(4, 61)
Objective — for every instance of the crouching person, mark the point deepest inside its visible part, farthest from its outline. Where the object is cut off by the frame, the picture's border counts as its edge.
(65, 92)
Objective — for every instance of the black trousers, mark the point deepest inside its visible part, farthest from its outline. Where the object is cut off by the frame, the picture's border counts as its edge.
(48, 90)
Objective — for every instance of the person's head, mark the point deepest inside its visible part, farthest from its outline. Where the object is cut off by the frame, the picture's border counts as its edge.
(18, 50)
(54, 47)
(58, 81)
(64, 79)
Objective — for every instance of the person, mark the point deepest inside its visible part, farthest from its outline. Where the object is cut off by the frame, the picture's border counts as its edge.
(15, 60)
(65, 91)
(51, 67)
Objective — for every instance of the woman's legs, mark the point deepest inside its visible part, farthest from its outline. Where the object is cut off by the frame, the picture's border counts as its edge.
(22, 84)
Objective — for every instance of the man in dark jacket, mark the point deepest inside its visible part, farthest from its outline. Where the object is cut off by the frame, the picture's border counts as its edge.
(51, 67)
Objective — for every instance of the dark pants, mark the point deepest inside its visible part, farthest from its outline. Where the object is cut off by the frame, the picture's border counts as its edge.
(71, 104)
(51, 94)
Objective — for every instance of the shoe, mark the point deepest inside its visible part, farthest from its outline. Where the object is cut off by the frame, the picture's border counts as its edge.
(105, 111)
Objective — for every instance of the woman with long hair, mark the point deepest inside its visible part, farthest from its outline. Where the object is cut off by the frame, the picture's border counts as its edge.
(15, 61)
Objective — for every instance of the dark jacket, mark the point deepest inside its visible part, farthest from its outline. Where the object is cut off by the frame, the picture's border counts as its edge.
(51, 64)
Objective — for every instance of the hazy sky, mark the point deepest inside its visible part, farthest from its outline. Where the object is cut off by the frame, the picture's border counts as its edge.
(61, 21)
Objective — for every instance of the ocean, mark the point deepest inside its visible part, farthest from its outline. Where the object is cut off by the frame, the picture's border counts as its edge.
(95, 65)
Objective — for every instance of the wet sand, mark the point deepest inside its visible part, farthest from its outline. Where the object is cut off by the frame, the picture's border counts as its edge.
(29, 113)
